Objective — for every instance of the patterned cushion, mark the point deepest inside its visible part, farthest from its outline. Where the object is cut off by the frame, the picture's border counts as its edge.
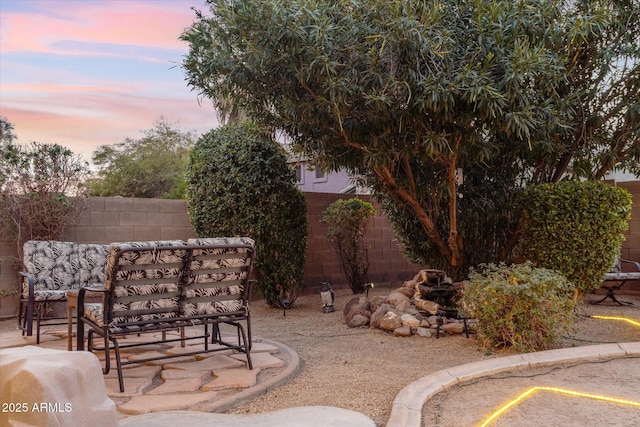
(143, 288)
(54, 265)
(94, 312)
(218, 275)
(92, 263)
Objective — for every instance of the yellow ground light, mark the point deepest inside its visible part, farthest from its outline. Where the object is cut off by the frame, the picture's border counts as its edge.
(533, 390)
(625, 319)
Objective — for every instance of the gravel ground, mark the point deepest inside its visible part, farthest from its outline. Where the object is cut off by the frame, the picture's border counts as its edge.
(363, 369)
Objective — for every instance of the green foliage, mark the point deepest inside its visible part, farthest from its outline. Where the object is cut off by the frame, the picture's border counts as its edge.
(405, 93)
(239, 184)
(41, 191)
(348, 221)
(152, 167)
(519, 306)
(575, 228)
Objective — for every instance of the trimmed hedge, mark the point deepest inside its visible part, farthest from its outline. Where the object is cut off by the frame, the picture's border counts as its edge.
(240, 185)
(575, 228)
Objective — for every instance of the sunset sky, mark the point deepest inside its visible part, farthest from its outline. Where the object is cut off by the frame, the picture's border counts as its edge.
(84, 73)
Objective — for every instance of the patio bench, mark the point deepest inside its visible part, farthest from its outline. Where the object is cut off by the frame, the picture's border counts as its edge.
(160, 286)
(617, 276)
(51, 269)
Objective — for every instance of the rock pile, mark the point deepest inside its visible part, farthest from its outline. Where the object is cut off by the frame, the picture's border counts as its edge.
(406, 312)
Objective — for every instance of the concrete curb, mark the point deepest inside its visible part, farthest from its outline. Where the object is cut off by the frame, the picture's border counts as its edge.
(407, 406)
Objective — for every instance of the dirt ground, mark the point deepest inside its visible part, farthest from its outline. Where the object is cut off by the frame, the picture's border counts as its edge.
(363, 369)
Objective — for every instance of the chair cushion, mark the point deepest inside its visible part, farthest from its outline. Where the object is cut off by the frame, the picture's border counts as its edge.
(210, 291)
(92, 263)
(50, 295)
(53, 264)
(145, 278)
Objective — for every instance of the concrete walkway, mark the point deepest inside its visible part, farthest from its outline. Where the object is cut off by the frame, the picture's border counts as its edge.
(159, 396)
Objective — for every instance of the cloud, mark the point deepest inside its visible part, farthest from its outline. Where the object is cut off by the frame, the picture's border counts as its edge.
(89, 73)
(54, 26)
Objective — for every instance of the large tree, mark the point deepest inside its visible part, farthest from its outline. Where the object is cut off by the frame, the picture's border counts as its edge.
(153, 166)
(410, 94)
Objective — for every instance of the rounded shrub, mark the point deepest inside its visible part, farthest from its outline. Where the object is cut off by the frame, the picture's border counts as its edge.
(575, 228)
(239, 184)
(519, 306)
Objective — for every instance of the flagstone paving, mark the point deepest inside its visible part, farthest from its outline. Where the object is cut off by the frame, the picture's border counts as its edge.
(195, 382)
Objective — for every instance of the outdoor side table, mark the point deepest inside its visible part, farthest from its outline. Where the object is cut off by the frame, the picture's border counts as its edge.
(72, 304)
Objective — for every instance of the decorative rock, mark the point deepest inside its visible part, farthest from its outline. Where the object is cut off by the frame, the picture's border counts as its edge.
(377, 302)
(409, 320)
(70, 384)
(424, 332)
(390, 322)
(426, 305)
(355, 301)
(453, 328)
(374, 322)
(402, 331)
(405, 291)
(359, 311)
(399, 300)
(358, 321)
(433, 320)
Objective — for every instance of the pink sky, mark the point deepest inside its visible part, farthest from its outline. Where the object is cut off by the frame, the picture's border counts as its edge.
(84, 73)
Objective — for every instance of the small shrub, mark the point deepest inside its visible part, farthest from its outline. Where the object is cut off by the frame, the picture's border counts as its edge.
(348, 220)
(519, 306)
(575, 228)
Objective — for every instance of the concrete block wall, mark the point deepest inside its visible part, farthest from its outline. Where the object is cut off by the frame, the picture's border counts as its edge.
(115, 219)
(387, 264)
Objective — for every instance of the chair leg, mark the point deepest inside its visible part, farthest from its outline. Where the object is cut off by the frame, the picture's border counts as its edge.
(116, 348)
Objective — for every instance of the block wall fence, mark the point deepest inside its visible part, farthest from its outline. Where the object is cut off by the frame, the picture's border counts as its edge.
(117, 219)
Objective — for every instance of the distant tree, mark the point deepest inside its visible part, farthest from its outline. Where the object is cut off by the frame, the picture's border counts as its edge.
(153, 166)
(241, 185)
(6, 131)
(407, 94)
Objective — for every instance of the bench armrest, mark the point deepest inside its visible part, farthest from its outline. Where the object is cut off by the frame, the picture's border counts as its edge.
(636, 264)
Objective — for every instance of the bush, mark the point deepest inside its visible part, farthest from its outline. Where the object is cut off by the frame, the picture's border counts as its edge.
(240, 185)
(42, 191)
(519, 306)
(348, 220)
(575, 228)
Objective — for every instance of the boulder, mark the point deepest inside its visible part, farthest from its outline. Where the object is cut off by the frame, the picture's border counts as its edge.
(377, 315)
(361, 301)
(453, 328)
(399, 300)
(424, 332)
(402, 331)
(409, 320)
(357, 310)
(390, 321)
(54, 387)
(358, 321)
(408, 292)
(377, 302)
(426, 305)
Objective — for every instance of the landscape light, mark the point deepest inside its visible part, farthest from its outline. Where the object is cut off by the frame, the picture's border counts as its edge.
(633, 322)
(533, 390)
